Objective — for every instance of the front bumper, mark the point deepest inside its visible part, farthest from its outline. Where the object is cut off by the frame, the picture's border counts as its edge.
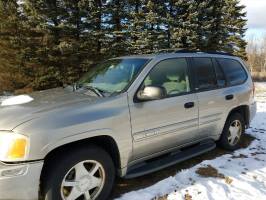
(20, 182)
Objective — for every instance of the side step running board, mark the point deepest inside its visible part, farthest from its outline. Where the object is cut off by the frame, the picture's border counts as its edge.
(171, 159)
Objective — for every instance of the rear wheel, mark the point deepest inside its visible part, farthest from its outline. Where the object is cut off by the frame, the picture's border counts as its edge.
(83, 174)
(232, 133)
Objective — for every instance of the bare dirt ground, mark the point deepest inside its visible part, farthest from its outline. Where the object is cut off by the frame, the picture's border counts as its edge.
(123, 186)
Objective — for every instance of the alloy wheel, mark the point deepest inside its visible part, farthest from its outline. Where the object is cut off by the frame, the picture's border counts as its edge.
(235, 131)
(84, 181)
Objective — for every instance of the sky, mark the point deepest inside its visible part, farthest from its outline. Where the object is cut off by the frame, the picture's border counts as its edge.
(256, 15)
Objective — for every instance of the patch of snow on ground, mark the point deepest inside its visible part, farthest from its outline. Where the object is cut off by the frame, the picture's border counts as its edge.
(16, 100)
(244, 171)
(260, 85)
(2, 97)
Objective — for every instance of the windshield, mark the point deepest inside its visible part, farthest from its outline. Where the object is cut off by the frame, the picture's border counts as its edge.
(112, 76)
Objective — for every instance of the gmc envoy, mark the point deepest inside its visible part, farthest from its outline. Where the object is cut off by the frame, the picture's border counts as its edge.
(126, 117)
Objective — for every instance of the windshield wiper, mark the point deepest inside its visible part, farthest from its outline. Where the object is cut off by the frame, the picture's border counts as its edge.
(74, 86)
(95, 90)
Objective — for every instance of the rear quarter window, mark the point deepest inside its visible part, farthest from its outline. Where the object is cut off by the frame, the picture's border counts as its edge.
(234, 71)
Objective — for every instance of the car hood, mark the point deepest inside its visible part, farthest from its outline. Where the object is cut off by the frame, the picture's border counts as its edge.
(29, 107)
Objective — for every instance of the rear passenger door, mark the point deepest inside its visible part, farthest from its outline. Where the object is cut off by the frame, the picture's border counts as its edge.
(209, 84)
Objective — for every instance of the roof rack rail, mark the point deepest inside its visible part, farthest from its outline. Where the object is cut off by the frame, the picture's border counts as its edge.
(208, 52)
(166, 50)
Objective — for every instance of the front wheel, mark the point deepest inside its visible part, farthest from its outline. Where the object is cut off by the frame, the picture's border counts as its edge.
(83, 174)
(232, 133)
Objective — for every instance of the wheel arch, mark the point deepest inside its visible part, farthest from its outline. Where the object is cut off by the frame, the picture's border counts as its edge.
(104, 141)
(244, 111)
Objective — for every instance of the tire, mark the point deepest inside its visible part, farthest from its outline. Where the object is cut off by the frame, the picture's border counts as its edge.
(75, 173)
(226, 140)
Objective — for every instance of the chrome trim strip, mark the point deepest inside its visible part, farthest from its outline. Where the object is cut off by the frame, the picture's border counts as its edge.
(142, 135)
(210, 121)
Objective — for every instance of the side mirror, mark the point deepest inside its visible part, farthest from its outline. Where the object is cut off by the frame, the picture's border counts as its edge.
(151, 93)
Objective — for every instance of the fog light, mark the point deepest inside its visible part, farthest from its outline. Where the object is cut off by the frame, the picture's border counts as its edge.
(14, 171)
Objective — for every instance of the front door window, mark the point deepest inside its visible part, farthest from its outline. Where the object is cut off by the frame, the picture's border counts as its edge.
(170, 75)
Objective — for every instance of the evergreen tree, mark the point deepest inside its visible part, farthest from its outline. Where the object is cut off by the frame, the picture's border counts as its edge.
(48, 43)
(216, 32)
(149, 31)
(45, 16)
(221, 26)
(15, 54)
(137, 27)
(65, 50)
(8, 43)
(235, 20)
(170, 23)
(118, 24)
(95, 26)
(149, 38)
(185, 23)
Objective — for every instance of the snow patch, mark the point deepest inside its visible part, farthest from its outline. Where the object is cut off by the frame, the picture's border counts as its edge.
(260, 86)
(16, 100)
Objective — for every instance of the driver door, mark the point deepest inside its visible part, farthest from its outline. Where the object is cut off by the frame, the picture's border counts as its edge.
(160, 125)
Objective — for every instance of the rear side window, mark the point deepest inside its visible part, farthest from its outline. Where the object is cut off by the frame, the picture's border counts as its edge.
(204, 73)
(234, 71)
(221, 80)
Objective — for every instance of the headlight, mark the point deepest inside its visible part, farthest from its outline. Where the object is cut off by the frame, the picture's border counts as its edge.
(13, 146)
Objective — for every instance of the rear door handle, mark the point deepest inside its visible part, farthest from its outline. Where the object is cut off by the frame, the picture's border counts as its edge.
(229, 97)
(189, 105)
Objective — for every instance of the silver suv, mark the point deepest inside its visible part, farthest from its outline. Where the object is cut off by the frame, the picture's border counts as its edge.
(126, 117)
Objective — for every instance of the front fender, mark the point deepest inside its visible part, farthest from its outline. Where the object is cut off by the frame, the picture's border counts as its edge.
(56, 128)
(55, 143)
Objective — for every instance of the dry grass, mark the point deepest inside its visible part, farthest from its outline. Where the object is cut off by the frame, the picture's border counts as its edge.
(209, 171)
(161, 198)
(23, 91)
(188, 197)
(259, 76)
(240, 156)
(212, 172)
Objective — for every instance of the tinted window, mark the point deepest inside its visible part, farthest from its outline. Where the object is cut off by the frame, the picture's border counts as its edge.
(171, 75)
(221, 80)
(233, 70)
(204, 73)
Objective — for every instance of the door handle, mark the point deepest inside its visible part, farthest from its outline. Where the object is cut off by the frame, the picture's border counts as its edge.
(229, 97)
(189, 105)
